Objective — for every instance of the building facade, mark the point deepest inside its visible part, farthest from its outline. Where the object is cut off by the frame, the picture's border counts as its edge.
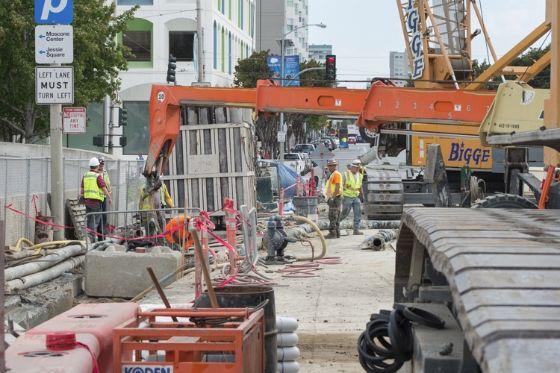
(161, 28)
(276, 18)
(319, 52)
(399, 68)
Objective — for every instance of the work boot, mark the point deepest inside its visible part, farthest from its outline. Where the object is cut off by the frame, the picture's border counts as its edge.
(331, 235)
(357, 232)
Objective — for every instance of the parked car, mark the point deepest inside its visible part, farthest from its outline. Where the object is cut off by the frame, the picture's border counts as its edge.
(303, 148)
(296, 161)
(329, 143)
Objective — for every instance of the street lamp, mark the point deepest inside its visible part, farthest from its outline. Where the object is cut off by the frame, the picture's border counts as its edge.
(282, 126)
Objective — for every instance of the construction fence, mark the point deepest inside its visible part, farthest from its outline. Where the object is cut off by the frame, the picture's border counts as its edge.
(25, 186)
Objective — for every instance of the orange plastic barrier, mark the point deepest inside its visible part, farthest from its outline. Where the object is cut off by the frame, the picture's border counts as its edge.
(28, 354)
(95, 319)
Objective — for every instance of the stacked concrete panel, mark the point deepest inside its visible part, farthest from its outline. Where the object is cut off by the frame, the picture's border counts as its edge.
(213, 159)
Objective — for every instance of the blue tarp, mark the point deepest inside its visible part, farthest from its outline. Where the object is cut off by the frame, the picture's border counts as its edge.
(287, 177)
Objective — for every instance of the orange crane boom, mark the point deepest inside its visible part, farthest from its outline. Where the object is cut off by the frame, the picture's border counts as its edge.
(375, 107)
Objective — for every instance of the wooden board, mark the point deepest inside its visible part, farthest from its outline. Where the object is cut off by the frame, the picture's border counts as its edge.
(503, 267)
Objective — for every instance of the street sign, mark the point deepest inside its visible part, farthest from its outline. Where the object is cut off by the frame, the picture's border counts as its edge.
(54, 85)
(74, 119)
(281, 137)
(54, 44)
(49, 12)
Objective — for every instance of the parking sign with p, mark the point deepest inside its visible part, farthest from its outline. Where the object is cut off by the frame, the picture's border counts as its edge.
(49, 12)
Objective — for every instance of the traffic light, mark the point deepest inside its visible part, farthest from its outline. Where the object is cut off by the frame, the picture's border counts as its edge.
(123, 117)
(171, 68)
(330, 67)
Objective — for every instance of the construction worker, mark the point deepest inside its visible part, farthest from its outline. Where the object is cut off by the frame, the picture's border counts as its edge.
(155, 198)
(93, 191)
(103, 172)
(333, 192)
(351, 194)
(177, 231)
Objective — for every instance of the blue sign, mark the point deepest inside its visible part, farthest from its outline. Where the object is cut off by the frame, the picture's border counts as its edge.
(50, 12)
(291, 69)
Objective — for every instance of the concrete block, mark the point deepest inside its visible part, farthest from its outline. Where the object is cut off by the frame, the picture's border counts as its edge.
(123, 275)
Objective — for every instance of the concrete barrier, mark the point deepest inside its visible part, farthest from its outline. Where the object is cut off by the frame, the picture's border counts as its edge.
(120, 274)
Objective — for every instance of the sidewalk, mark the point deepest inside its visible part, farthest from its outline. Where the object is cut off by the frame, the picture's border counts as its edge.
(332, 309)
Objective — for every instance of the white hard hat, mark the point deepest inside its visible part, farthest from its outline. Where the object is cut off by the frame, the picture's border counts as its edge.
(94, 162)
(356, 162)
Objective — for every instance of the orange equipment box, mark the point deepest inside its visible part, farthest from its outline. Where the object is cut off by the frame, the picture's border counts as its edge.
(198, 340)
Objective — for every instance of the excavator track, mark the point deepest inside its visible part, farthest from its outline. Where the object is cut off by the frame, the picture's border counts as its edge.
(384, 195)
(502, 268)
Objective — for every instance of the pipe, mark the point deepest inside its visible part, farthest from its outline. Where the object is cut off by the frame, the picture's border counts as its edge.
(42, 263)
(44, 276)
(378, 240)
(304, 220)
(287, 339)
(288, 367)
(286, 324)
(285, 354)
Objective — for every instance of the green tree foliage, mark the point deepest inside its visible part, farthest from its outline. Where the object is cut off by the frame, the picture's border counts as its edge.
(528, 58)
(98, 58)
(250, 70)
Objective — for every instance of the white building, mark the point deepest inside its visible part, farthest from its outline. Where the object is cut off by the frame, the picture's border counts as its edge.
(399, 68)
(276, 18)
(319, 52)
(164, 27)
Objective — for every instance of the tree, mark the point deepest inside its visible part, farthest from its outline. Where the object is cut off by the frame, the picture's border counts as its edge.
(542, 80)
(250, 70)
(98, 58)
(297, 123)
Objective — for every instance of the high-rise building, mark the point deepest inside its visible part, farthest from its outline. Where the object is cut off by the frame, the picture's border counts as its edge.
(164, 27)
(276, 18)
(399, 68)
(319, 52)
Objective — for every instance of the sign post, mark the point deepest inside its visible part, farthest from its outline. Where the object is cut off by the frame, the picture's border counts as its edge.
(55, 85)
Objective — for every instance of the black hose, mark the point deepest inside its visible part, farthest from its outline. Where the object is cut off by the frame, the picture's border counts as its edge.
(387, 342)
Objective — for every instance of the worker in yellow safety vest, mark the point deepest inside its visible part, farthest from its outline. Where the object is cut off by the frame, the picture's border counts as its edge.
(353, 179)
(93, 191)
(155, 199)
(333, 193)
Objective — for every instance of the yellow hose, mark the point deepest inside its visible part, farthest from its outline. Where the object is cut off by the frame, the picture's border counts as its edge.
(305, 220)
(38, 247)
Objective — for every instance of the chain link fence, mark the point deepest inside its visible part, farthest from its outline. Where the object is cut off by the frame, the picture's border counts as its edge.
(25, 187)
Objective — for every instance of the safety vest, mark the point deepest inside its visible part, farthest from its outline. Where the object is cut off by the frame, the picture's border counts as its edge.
(106, 179)
(148, 202)
(91, 189)
(162, 193)
(330, 187)
(352, 184)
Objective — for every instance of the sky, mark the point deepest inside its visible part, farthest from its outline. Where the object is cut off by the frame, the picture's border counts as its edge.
(363, 32)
